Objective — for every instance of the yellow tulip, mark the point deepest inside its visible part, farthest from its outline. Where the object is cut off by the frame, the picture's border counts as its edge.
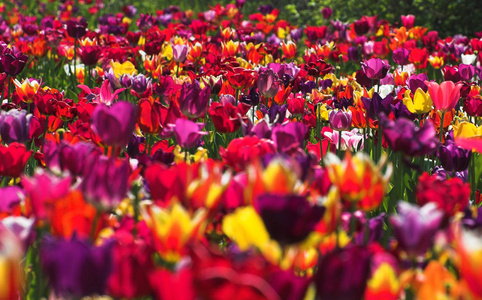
(383, 284)
(173, 228)
(420, 104)
(246, 228)
(466, 130)
(122, 69)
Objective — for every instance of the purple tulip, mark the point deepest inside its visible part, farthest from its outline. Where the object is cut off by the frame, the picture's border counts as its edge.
(276, 113)
(77, 28)
(188, 133)
(452, 157)
(268, 83)
(404, 136)
(14, 126)
(418, 81)
(377, 105)
(179, 52)
(12, 61)
(74, 267)
(400, 56)
(343, 274)
(288, 218)
(194, 101)
(145, 22)
(466, 72)
(414, 227)
(114, 124)
(353, 53)
(288, 138)
(106, 181)
(340, 120)
(326, 12)
(375, 68)
(140, 83)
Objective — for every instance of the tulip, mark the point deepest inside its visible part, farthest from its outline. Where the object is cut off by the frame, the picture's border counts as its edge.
(340, 120)
(420, 104)
(173, 228)
(245, 227)
(179, 52)
(268, 84)
(13, 159)
(445, 95)
(326, 12)
(14, 126)
(466, 72)
(450, 195)
(243, 151)
(414, 227)
(150, 116)
(343, 273)
(11, 197)
(288, 219)
(13, 61)
(53, 188)
(375, 68)
(403, 135)
(288, 138)
(132, 262)
(408, 21)
(77, 28)
(106, 181)
(194, 100)
(114, 124)
(418, 81)
(27, 89)
(145, 22)
(350, 140)
(377, 105)
(123, 68)
(400, 56)
(140, 83)
(350, 177)
(225, 116)
(452, 157)
(188, 133)
(74, 267)
(383, 284)
(473, 106)
(90, 55)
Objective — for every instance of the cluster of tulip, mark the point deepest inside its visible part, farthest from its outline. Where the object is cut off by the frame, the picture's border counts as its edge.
(215, 156)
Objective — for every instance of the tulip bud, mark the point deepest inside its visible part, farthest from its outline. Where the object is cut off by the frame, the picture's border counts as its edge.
(340, 120)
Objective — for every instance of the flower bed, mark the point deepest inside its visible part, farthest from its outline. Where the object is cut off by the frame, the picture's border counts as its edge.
(222, 155)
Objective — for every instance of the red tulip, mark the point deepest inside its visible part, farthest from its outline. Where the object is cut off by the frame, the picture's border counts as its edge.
(445, 95)
(13, 159)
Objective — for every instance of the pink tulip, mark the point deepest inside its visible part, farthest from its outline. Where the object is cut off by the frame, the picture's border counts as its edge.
(445, 95)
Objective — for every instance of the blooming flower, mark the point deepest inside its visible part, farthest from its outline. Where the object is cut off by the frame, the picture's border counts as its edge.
(414, 227)
(14, 126)
(114, 124)
(74, 267)
(358, 180)
(420, 104)
(172, 228)
(445, 95)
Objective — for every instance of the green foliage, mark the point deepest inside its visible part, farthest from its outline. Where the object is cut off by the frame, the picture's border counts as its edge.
(448, 17)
